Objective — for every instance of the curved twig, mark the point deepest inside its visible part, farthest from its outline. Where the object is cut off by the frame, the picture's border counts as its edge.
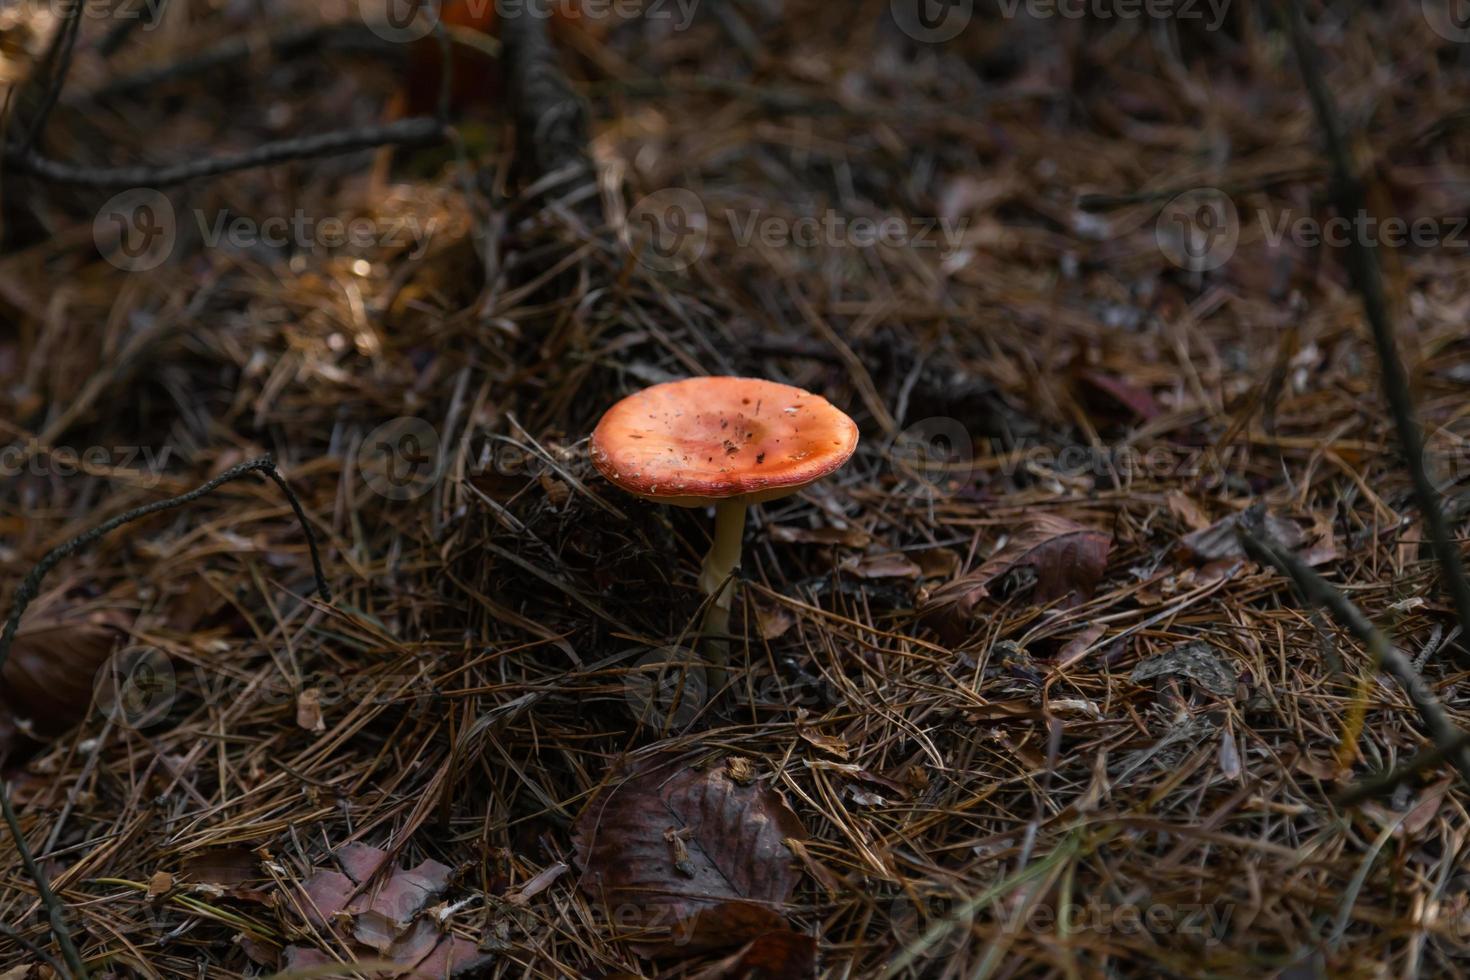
(405, 131)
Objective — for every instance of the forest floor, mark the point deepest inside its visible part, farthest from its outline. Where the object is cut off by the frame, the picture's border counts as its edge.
(1008, 698)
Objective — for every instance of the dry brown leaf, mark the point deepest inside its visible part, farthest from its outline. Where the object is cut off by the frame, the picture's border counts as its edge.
(1110, 392)
(1068, 559)
(383, 920)
(309, 710)
(727, 888)
(937, 562)
(847, 537)
(160, 885)
(1183, 507)
(1073, 649)
(1428, 807)
(780, 955)
(233, 871)
(47, 682)
(830, 744)
(894, 564)
(1218, 540)
(773, 621)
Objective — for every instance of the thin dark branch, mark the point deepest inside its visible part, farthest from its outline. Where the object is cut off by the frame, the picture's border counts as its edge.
(288, 43)
(417, 130)
(1104, 202)
(54, 909)
(30, 587)
(1386, 782)
(1349, 199)
(60, 65)
(31, 948)
(551, 120)
(144, 15)
(1318, 591)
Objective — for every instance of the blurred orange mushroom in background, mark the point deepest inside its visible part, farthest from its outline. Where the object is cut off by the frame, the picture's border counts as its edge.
(473, 28)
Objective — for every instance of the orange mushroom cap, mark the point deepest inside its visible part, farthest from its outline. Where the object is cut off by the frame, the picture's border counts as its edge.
(690, 442)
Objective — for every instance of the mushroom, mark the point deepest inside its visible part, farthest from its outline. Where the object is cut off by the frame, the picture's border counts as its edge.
(731, 442)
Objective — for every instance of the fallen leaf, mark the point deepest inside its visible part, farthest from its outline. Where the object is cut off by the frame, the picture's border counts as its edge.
(894, 564)
(1218, 540)
(847, 537)
(309, 710)
(1186, 511)
(1067, 558)
(1196, 662)
(937, 562)
(160, 885)
(1323, 547)
(773, 621)
(228, 867)
(1075, 648)
(47, 683)
(1110, 391)
(780, 955)
(538, 884)
(830, 744)
(383, 921)
(1425, 810)
(737, 871)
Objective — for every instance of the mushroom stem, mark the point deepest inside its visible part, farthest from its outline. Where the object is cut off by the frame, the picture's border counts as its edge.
(722, 560)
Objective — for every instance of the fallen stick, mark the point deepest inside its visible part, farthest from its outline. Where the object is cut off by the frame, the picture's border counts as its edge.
(1349, 200)
(1315, 589)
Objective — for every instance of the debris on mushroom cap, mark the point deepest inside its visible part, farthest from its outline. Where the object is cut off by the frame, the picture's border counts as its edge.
(687, 442)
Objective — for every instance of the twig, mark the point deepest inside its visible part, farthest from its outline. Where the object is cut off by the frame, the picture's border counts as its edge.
(145, 15)
(54, 910)
(30, 587)
(402, 132)
(551, 120)
(1315, 589)
(1104, 202)
(287, 43)
(1347, 195)
(60, 65)
(30, 947)
(1385, 782)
